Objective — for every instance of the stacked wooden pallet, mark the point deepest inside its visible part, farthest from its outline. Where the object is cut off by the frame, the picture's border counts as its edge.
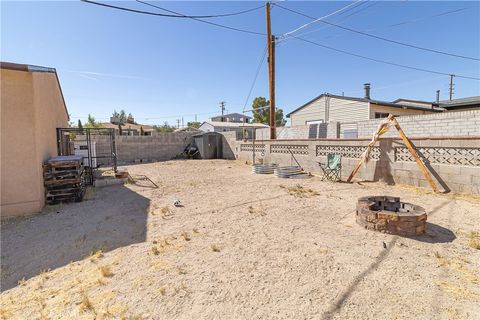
(64, 179)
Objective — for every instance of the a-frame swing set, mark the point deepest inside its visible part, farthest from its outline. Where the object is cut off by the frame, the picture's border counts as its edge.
(384, 127)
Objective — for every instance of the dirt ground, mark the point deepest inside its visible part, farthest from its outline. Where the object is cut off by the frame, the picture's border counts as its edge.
(242, 246)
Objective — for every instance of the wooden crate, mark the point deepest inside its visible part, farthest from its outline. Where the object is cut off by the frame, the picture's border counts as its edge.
(64, 179)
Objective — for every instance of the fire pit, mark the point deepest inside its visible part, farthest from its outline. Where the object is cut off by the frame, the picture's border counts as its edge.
(389, 215)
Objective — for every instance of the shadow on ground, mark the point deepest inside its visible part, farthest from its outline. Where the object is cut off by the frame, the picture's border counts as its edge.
(435, 234)
(115, 217)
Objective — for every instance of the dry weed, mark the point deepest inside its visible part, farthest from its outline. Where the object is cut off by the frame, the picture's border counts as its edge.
(459, 292)
(441, 260)
(155, 251)
(186, 236)
(86, 304)
(106, 271)
(215, 247)
(259, 212)
(163, 290)
(166, 213)
(300, 192)
(95, 255)
(181, 270)
(474, 240)
(22, 282)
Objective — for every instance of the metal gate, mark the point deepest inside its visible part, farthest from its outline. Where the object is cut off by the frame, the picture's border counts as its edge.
(95, 145)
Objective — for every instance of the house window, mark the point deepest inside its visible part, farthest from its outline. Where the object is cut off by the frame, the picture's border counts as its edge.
(313, 121)
(380, 115)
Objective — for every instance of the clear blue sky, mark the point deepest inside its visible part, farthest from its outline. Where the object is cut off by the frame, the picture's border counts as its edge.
(162, 68)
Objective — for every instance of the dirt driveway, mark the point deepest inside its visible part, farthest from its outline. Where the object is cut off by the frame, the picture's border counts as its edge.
(242, 246)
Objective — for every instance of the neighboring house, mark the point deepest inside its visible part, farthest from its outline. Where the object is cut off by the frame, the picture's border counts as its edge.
(462, 104)
(32, 108)
(328, 107)
(215, 126)
(130, 129)
(232, 117)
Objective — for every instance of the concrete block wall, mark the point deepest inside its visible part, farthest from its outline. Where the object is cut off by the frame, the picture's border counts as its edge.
(445, 124)
(160, 147)
(453, 163)
(134, 149)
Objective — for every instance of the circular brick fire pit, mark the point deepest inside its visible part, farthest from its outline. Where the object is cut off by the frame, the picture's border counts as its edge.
(389, 215)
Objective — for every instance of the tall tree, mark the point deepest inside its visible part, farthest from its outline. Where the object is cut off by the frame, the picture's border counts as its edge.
(80, 126)
(194, 124)
(164, 128)
(130, 119)
(261, 112)
(91, 123)
(142, 132)
(122, 116)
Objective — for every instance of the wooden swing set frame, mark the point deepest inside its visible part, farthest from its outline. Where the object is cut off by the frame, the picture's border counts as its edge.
(409, 146)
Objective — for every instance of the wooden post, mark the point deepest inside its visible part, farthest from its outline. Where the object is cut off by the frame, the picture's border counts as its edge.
(410, 148)
(357, 167)
(413, 152)
(271, 72)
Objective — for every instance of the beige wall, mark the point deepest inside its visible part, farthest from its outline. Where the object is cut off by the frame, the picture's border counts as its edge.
(31, 109)
(395, 111)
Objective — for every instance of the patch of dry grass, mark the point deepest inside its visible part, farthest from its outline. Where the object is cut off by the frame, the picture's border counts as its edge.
(166, 213)
(441, 260)
(299, 191)
(458, 292)
(86, 304)
(186, 236)
(155, 250)
(215, 247)
(163, 290)
(95, 255)
(474, 240)
(254, 211)
(106, 271)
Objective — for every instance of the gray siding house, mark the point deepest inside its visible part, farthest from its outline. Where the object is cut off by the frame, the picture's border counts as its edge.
(232, 117)
(215, 126)
(333, 108)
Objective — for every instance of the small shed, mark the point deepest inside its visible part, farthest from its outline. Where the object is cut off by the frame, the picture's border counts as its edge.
(209, 145)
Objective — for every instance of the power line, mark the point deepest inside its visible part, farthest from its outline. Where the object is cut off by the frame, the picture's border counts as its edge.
(170, 15)
(177, 15)
(211, 16)
(383, 61)
(318, 19)
(376, 37)
(392, 25)
(255, 78)
(204, 21)
(342, 20)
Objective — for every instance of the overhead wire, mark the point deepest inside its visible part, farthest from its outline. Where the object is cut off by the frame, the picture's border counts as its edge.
(318, 19)
(392, 25)
(170, 15)
(255, 78)
(177, 15)
(384, 61)
(374, 36)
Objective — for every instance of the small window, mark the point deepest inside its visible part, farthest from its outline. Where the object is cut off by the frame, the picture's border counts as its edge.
(313, 121)
(380, 115)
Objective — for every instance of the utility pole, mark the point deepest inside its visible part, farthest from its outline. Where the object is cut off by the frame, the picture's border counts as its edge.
(222, 106)
(271, 72)
(178, 123)
(451, 86)
(182, 123)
